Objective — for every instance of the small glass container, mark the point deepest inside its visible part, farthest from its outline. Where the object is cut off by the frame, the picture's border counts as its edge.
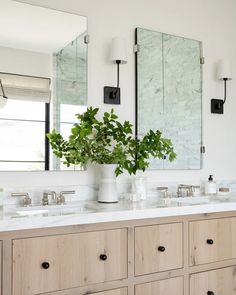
(132, 197)
(139, 187)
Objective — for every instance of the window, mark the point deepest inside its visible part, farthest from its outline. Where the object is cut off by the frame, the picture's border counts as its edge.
(23, 123)
(22, 135)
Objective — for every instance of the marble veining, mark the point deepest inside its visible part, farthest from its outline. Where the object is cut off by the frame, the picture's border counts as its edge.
(170, 93)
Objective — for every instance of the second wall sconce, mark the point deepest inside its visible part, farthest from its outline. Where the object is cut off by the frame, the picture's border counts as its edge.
(118, 55)
(224, 74)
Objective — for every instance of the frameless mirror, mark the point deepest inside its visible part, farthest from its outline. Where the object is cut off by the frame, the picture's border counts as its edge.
(169, 94)
(43, 70)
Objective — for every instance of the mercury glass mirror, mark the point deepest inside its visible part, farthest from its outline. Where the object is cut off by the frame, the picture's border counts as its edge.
(43, 70)
(169, 94)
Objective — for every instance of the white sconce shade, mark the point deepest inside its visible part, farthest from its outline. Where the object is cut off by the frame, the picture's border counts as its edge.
(118, 50)
(224, 70)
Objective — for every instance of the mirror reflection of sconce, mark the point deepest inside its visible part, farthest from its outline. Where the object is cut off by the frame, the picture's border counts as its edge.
(3, 97)
(224, 74)
(118, 55)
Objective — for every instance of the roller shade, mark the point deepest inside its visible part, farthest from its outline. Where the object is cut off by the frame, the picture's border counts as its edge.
(26, 87)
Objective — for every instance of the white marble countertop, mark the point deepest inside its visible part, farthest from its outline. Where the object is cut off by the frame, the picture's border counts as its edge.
(92, 212)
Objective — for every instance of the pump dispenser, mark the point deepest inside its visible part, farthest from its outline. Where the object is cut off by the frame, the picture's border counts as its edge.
(210, 188)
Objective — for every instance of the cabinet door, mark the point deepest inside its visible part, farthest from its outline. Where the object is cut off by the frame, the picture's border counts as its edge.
(158, 248)
(212, 240)
(1, 267)
(122, 291)
(218, 282)
(168, 287)
(54, 263)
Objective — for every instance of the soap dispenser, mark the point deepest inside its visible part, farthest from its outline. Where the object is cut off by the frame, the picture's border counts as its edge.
(210, 188)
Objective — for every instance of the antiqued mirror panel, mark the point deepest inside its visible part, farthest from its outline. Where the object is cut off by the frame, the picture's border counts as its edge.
(169, 94)
(43, 70)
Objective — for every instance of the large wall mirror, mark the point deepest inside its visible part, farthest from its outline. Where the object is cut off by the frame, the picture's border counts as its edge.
(169, 94)
(43, 70)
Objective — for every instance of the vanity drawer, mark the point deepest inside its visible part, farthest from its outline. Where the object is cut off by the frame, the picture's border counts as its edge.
(218, 282)
(45, 264)
(158, 248)
(212, 240)
(168, 287)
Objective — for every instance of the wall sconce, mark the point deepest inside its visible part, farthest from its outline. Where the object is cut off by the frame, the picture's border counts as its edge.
(118, 55)
(224, 74)
(3, 97)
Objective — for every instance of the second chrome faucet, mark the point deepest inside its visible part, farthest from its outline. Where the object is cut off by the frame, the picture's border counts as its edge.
(55, 199)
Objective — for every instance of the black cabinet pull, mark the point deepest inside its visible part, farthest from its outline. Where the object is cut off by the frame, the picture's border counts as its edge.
(45, 265)
(103, 257)
(210, 293)
(210, 242)
(161, 248)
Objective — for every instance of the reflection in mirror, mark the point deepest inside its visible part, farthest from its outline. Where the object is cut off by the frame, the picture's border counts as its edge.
(169, 94)
(43, 69)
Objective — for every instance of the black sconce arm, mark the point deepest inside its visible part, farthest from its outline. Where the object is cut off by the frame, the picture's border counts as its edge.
(3, 92)
(225, 95)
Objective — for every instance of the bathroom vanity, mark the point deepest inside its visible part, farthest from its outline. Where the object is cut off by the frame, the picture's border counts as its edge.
(173, 250)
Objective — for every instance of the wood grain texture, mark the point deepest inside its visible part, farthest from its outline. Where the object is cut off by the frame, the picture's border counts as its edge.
(220, 282)
(74, 261)
(172, 286)
(148, 259)
(1, 266)
(221, 231)
(122, 291)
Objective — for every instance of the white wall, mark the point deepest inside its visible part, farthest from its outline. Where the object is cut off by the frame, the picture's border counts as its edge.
(211, 21)
(25, 62)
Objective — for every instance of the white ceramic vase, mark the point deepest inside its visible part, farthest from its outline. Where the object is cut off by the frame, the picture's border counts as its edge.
(107, 187)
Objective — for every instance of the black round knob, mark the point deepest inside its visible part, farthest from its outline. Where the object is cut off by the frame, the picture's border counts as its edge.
(210, 241)
(103, 257)
(210, 293)
(161, 248)
(45, 265)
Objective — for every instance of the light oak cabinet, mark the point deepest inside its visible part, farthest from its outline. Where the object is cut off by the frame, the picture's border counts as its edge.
(215, 282)
(172, 286)
(53, 263)
(1, 267)
(182, 255)
(158, 248)
(212, 240)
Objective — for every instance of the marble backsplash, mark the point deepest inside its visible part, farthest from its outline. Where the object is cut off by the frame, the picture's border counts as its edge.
(89, 192)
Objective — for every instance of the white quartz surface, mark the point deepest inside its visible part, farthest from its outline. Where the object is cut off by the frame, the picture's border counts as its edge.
(93, 212)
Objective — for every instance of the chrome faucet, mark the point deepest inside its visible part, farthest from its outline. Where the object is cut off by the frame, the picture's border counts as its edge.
(163, 190)
(61, 200)
(189, 189)
(186, 188)
(26, 200)
(46, 195)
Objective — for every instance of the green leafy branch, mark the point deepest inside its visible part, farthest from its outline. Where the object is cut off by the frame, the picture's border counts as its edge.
(107, 141)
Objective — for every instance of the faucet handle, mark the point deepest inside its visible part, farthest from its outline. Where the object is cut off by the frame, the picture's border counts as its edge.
(61, 198)
(26, 201)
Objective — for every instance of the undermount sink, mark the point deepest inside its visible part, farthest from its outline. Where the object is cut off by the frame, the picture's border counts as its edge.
(49, 210)
(192, 200)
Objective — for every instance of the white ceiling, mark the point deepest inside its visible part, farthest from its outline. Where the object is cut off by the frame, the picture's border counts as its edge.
(28, 27)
